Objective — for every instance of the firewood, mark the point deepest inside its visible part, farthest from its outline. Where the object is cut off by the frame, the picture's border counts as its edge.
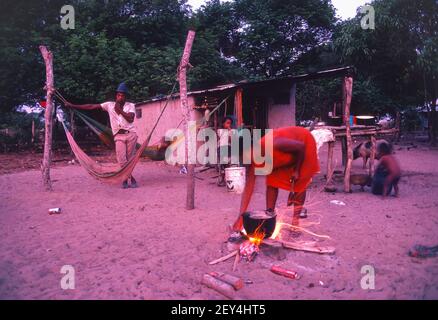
(306, 247)
(218, 285)
(302, 246)
(236, 261)
(228, 256)
(236, 282)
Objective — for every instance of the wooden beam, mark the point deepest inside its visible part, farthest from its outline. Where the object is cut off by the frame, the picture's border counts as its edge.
(347, 93)
(188, 115)
(48, 118)
(367, 132)
(238, 106)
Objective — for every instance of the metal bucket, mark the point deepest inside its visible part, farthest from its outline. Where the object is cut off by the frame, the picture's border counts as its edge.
(235, 179)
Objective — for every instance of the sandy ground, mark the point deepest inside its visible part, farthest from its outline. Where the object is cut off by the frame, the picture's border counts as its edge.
(142, 243)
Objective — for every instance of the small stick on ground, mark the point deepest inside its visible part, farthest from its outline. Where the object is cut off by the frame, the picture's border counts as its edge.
(228, 256)
(236, 261)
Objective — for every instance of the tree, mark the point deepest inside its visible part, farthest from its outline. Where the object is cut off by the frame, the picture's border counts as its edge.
(398, 58)
(23, 26)
(275, 33)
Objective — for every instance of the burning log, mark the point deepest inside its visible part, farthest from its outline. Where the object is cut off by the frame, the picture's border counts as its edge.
(236, 282)
(228, 256)
(249, 249)
(223, 288)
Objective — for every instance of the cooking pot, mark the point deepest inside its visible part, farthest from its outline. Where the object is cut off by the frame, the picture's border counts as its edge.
(335, 121)
(260, 222)
(365, 120)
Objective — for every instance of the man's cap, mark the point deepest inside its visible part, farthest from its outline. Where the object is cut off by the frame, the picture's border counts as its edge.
(122, 88)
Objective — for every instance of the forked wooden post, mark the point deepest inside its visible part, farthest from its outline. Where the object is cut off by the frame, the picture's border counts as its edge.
(347, 91)
(48, 118)
(188, 115)
(330, 169)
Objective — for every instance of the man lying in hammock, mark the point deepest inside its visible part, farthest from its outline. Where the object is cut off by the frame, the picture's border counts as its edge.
(121, 115)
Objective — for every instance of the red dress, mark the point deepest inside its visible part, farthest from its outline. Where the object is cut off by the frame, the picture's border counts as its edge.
(283, 163)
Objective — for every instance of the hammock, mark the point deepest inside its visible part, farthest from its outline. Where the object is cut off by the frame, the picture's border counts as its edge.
(113, 173)
(106, 136)
(103, 132)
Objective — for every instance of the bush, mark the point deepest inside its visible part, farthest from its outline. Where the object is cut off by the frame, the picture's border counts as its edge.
(16, 130)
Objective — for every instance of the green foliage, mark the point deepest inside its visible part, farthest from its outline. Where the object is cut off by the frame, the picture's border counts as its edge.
(141, 42)
(16, 129)
(393, 59)
(275, 33)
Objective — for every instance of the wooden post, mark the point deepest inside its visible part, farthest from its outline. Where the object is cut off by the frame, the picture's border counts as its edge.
(292, 103)
(238, 106)
(188, 115)
(372, 155)
(48, 118)
(330, 169)
(347, 92)
(397, 125)
(72, 128)
(33, 131)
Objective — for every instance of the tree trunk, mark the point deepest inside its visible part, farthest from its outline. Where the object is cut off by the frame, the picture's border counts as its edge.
(33, 132)
(48, 117)
(398, 126)
(190, 199)
(433, 125)
(348, 86)
(373, 155)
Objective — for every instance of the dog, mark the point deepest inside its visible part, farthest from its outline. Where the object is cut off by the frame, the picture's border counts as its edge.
(364, 150)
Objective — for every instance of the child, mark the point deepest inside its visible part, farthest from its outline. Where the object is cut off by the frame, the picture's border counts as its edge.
(388, 172)
(224, 148)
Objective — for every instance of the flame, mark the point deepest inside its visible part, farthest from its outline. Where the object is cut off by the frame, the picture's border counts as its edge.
(277, 230)
(257, 237)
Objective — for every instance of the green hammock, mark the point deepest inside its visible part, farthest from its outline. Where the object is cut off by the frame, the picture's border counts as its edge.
(105, 134)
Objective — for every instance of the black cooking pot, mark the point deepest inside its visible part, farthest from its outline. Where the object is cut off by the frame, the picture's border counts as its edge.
(260, 222)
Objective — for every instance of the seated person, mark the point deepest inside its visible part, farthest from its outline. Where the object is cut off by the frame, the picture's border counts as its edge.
(388, 172)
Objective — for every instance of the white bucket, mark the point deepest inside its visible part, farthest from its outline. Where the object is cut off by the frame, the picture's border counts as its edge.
(235, 179)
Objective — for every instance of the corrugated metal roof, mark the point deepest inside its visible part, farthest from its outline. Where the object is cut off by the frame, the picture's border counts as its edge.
(243, 84)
